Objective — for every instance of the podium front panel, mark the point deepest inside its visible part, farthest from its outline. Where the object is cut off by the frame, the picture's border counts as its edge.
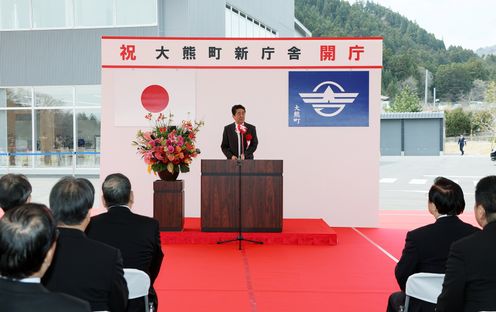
(261, 195)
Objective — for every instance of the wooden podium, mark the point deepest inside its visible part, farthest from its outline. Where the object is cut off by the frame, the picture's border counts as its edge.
(168, 204)
(261, 195)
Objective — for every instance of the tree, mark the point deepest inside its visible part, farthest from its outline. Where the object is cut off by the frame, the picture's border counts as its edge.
(491, 92)
(453, 81)
(482, 121)
(478, 91)
(407, 49)
(406, 101)
(457, 122)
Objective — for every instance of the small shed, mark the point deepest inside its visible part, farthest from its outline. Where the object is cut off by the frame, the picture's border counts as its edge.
(412, 134)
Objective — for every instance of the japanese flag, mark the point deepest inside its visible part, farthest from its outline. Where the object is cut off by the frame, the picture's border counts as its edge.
(127, 87)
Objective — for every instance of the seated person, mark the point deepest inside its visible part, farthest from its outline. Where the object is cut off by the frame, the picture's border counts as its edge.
(15, 190)
(83, 267)
(28, 235)
(141, 248)
(426, 248)
(470, 280)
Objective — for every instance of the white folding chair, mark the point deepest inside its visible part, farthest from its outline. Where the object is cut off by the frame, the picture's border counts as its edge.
(138, 284)
(423, 286)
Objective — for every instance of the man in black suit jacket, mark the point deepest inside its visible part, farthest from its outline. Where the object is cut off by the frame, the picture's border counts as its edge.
(28, 235)
(83, 267)
(140, 247)
(470, 280)
(239, 140)
(426, 248)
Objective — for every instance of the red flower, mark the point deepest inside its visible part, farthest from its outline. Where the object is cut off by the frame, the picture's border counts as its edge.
(249, 137)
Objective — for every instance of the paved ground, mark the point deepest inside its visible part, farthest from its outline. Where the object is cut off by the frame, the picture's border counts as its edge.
(405, 180)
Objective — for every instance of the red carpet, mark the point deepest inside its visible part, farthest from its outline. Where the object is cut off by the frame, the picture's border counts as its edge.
(355, 275)
(351, 276)
(295, 232)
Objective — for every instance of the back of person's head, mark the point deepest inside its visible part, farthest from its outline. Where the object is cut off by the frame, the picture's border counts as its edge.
(485, 194)
(236, 107)
(70, 200)
(447, 196)
(26, 234)
(15, 190)
(116, 190)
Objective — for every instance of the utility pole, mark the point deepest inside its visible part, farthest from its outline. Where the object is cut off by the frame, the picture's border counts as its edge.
(426, 83)
(434, 97)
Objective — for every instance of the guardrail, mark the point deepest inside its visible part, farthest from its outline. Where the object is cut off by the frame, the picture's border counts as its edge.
(31, 154)
(46, 153)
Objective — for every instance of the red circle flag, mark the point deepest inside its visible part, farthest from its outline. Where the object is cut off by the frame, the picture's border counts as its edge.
(155, 98)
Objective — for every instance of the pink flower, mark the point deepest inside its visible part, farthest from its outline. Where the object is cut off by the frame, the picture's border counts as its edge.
(147, 135)
(167, 143)
(148, 158)
(180, 141)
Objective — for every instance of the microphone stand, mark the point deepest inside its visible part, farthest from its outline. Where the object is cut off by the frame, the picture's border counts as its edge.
(240, 237)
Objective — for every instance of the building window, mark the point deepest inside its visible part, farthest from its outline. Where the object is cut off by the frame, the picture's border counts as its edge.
(239, 24)
(54, 138)
(50, 127)
(132, 12)
(14, 14)
(88, 123)
(62, 14)
(52, 13)
(94, 13)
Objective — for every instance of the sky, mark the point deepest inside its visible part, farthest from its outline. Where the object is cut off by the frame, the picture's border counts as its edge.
(467, 23)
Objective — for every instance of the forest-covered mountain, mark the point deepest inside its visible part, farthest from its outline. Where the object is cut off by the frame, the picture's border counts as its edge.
(457, 74)
(486, 50)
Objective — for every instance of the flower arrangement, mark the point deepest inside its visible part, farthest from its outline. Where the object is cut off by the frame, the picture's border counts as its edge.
(167, 146)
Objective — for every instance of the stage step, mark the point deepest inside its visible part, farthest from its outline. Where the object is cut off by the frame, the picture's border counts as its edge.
(294, 232)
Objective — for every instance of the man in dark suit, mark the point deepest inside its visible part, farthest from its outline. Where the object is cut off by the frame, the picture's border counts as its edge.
(28, 236)
(239, 140)
(426, 248)
(470, 280)
(137, 237)
(83, 267)
(15, 190)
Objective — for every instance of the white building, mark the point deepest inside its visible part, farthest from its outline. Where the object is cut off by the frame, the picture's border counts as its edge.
(50, 66)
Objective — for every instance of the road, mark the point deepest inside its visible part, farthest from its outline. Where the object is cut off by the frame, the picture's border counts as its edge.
(405, 180)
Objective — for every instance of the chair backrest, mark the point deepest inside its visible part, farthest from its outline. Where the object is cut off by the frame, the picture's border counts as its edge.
(425, 286)
(138, 283)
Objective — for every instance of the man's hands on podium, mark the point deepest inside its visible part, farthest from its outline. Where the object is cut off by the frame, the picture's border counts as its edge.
(233, 157)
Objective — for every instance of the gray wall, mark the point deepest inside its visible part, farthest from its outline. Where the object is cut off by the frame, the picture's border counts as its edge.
(72, 56)
(193, 18)
(391, 137)
(56, 57)
(421, 137)
(206, 18)
(412, 136)
(277, 14)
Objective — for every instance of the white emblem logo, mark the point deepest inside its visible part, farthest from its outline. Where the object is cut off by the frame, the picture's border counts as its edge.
(328, 99)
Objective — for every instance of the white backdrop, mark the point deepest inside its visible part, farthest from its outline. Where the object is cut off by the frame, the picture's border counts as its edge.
(329, 172)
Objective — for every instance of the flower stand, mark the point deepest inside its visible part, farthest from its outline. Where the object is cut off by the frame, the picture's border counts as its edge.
(168, 204)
